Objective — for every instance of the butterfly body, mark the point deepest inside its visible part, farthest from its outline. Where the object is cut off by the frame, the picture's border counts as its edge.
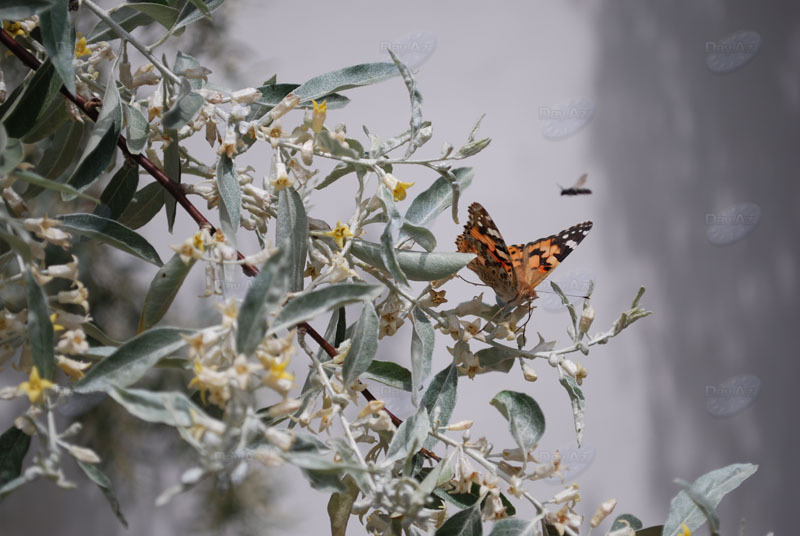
(514, 271)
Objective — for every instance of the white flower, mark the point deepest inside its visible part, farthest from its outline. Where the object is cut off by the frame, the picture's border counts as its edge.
(602, 512)
(73, 342)
(78, 296)
(47, 229)
(339, 270)
(281, 178)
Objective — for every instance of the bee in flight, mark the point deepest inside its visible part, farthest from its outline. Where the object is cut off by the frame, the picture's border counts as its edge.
(577, 188)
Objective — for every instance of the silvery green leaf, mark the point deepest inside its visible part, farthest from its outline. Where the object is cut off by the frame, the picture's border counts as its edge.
(230, 196)
(338, 172)
(626, 520)
(409, 437)
(146, 203)
(565, 301)
(162, 14)
(22, 9)
(16, 243)
(389, 373)
(340, 506)
(12, 153)
(112, 233)
(172, 408)
(102, 144)
(308, 306)
(190, 13)
(417, 265)
(14, 444)
(364, 344)
(136, 128)
(524, 417)
(58, 39)
(388, 251)
(97, 334)
(420, 235)
(38, 93)
(515, 527)
(188, 66)
(439, 195)
(185, 108)
(467, 522)
(703, 503)
(128, 18)
(324, 482)
(98, 477)
(349, 77)
(48, 122)
(172, 168)
(132, 360)
(442, 393)
(163, 289)
(441, 473)
(714, 486)
(119, 192)
(31, 177)
(264, 296)
(273, 94)
(472, 148)
(292, 235)
(59, 152)
(39, 328)
(422, 344)
(416, 104)
(496, 359)
(327, 142)
(631, 315)
(578, 402)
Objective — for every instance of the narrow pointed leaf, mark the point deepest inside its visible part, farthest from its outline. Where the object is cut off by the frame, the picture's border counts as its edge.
(172, 408)
(98, 477)
(438, 197)
(349, 77)
(714, 486)
(146, 203)
(409, 437)
(230, 197)
(292, 235)
(417, 265)
(39, 328)
(136, 128)
(364, 346)
(264, 296)
(58, 39)
(467, 522)
(132, 360)
(163, 289)
(120, 190)
(578, 402)
(422, 344)
(112, 233)
(14, 445)
(102, 144)
(316, 302)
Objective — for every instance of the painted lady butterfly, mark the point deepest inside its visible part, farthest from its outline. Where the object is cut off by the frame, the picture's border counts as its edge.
(514, 271)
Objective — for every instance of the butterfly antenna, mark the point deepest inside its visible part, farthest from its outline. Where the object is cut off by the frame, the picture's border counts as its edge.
(471, 283)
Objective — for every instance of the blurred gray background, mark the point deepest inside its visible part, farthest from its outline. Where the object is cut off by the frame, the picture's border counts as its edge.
(670, 142)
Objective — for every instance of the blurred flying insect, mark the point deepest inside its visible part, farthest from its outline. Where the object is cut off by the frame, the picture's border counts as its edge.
(577, 189)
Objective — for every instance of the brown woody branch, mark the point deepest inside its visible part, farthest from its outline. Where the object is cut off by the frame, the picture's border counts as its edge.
(176, 191)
